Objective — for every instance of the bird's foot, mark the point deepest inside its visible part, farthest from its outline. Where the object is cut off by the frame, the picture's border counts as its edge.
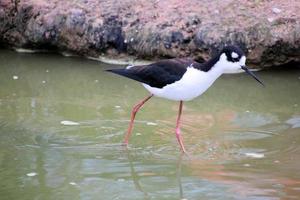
(188, 155)
(125, 144)
(184, 152)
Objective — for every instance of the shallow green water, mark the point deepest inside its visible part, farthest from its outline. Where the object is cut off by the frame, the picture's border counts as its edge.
(243, 139)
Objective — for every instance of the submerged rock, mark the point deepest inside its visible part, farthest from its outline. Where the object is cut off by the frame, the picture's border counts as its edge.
(268, 31)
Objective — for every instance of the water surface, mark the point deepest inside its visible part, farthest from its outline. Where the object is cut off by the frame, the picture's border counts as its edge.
(62, 121)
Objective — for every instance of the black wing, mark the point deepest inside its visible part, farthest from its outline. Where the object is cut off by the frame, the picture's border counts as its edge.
(157, 74)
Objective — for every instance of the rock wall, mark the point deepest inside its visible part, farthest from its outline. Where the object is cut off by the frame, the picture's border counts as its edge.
(269, 31)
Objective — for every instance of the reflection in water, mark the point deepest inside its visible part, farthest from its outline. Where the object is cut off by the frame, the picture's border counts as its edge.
(235, 118)
(178, 174)
(135, 176)
(256, 183)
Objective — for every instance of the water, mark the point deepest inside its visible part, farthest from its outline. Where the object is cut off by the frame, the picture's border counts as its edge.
(62, 121)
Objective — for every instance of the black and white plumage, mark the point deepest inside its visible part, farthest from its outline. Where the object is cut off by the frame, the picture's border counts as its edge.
(157, 74)
(183, 79)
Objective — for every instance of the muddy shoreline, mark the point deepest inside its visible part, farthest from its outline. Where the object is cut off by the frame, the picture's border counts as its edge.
(149, 30)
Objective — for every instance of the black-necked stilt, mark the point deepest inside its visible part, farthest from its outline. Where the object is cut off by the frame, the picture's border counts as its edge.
(182, 79)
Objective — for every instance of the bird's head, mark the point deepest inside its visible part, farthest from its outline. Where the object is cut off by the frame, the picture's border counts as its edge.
(232, 60)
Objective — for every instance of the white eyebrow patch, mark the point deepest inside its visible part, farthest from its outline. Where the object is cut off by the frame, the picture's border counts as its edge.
(234, 55)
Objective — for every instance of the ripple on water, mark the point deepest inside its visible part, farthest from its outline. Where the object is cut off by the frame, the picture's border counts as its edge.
(254, 119)
(236, 135)
(294, 122)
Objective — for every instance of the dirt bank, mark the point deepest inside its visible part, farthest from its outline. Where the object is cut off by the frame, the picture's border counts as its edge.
(269, 31)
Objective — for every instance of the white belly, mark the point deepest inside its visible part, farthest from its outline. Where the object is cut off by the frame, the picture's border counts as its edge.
(192, 84)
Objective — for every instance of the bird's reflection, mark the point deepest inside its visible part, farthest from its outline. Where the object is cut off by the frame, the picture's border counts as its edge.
(136, 177)
(178, 175)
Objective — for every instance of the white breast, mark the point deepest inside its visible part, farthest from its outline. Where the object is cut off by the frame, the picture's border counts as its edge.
(192, 84)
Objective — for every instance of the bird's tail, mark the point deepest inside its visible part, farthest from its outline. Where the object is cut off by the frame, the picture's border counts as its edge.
(116, 71)
(126, 73)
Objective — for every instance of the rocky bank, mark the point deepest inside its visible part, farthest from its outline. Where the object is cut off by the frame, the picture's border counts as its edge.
(269, 31)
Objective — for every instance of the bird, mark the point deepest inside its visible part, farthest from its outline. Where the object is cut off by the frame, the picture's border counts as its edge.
(182, 79)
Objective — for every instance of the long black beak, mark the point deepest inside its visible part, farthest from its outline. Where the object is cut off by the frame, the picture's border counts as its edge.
(252, 74)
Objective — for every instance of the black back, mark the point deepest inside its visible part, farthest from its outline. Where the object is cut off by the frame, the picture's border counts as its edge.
(165, 72)
(157, 74)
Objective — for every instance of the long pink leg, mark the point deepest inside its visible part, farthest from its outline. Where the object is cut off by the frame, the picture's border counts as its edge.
(178, 135)
(133, 113)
